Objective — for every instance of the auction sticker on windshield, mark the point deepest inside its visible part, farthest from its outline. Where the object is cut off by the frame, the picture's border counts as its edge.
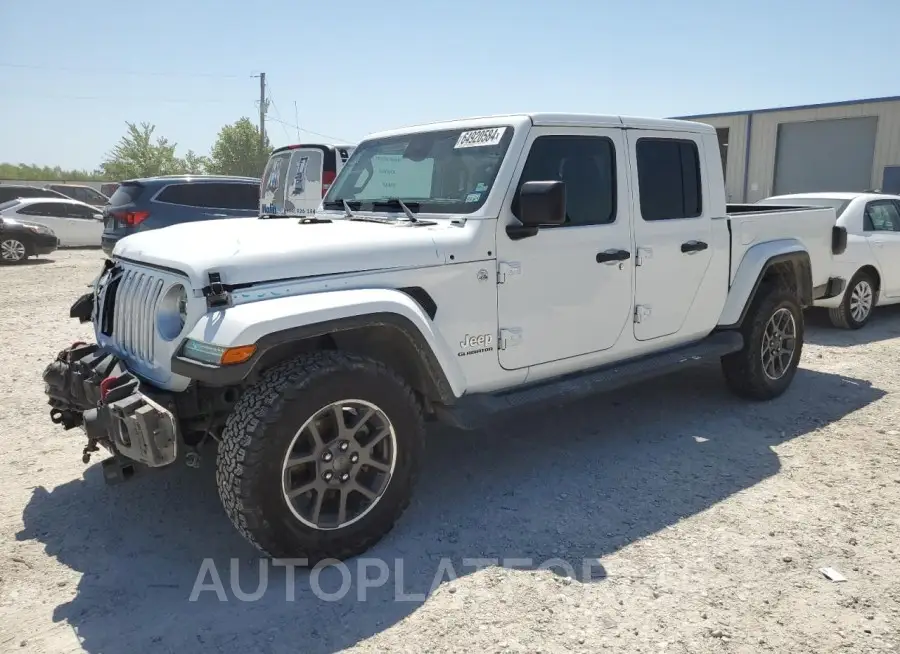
(479, 138)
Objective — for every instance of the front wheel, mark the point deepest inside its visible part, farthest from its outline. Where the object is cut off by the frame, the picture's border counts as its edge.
(773, 343)
(12, 250)
(319, 458)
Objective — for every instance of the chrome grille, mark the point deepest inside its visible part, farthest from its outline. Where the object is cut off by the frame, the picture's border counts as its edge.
(134, 310)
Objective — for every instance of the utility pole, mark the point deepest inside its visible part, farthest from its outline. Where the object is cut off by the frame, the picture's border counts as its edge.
(297, 120)
(262, 113)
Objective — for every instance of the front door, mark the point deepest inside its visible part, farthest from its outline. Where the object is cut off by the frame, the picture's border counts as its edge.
(46, 213)
(567, 290)
(881, 225)
(672, 230)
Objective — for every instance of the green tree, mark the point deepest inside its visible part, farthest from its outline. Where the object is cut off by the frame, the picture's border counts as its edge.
(237, 150)
(137, 154)
(27, 172)
(194, 163)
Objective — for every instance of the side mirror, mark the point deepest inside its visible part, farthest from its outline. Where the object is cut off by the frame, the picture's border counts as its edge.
(540, 204)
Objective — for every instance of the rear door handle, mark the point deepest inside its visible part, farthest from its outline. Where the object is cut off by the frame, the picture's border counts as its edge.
(693, 246)
(613, 256)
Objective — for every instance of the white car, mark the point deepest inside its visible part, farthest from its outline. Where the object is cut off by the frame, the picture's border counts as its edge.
(74, 223)
(872, 259)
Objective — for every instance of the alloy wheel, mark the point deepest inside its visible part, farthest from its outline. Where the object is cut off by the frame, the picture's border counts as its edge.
(861, 300)
(339, 464)
(12, 250)
(779, 344)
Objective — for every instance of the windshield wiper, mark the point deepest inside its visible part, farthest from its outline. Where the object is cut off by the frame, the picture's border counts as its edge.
(397, 202)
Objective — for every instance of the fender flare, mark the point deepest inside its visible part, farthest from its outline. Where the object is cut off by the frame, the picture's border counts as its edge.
(752, 270)
(271, 323)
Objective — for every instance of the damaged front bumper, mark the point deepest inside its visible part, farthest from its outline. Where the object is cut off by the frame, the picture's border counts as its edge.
(89, 388)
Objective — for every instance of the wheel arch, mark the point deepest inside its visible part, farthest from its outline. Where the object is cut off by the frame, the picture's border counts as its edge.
(787, 266)
(871, 270)
(389, 325)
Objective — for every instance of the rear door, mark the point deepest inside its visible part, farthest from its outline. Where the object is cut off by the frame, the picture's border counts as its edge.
(672, 229)
(85, 224)
(881, 225)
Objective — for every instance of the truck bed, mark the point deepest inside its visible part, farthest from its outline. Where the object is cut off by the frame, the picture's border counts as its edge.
(809, 226)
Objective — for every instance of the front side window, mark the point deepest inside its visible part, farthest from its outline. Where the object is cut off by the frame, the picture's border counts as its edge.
(587, 166)
(882, 216)
(449, 171)
(40, 209)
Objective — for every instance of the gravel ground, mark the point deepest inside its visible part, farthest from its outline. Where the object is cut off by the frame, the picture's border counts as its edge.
(706, 520)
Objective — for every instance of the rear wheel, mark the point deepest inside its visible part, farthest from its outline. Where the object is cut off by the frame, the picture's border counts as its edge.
(856, 307)
(773, 343)
(318, 460)
(12, 250)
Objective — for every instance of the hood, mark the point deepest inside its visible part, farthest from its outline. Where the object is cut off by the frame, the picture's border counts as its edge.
(248, 250)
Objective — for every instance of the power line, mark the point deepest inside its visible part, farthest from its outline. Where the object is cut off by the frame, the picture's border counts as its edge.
(277, 113)
(97, 71)
(120, 99)
(309, 131)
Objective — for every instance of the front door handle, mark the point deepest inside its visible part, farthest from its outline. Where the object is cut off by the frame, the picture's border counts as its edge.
(693, 246)
(613, 256)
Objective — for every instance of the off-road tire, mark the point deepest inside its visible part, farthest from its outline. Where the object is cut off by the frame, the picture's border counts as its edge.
(841, 316)
(263, 424)
(743, 370)
(24, 248)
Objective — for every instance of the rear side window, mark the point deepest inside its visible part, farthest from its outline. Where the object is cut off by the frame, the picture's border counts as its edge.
(669, 178)
(882, 216)
(126, 194)
(233, 195)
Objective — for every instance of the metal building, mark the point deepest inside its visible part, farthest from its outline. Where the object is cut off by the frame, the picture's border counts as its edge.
(838, 146)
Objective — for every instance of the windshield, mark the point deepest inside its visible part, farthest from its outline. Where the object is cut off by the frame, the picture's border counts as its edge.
(449, 171)
(835, 203)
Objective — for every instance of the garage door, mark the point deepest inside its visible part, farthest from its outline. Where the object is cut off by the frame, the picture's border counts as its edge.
(825, 155)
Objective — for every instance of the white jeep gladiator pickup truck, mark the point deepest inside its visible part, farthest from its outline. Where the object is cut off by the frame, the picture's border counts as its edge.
(454, 271)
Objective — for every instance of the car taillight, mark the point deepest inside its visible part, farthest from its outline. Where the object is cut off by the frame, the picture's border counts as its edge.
(130, 218)
(327, 180)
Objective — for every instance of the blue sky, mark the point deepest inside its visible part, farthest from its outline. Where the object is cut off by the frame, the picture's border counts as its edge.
(75, 72)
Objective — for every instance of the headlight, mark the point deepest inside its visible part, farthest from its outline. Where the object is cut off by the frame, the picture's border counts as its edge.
(172, 312)
(40, 229)
(216, 354)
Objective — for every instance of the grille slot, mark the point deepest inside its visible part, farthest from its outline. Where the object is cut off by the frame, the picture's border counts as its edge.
(129, 312)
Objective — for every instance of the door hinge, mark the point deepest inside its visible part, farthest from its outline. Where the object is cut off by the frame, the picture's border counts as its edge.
(506, 269)
(641, 311)
(642, 255)
(509, 338)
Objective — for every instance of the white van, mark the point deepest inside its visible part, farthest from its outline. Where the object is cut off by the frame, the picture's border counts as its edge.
(297, 177)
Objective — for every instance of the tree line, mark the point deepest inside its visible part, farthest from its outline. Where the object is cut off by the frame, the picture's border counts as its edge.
(141, 153)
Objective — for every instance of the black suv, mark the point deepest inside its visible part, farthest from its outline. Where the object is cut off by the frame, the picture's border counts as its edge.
(154, 202)
(15, 191)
